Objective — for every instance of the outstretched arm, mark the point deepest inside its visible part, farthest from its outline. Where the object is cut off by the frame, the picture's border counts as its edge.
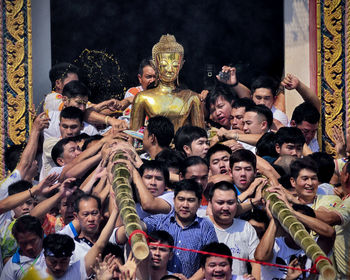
(101, 242)
(28, 156)
(240, 89)
(44, 207)
(17, 199)
(292, 82)
(149, 203)
(264, 251)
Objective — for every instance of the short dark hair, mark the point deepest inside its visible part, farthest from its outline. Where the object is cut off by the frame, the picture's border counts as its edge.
(72, 113)
(243, 102)
(162, 128)
(86, 197)
(266, 145)
(215, 94)
(91, 139)
(144, 62)
(170, 158)
(224, 186)
(58, 149)
(265, 82)
(75, 89)
(19, 186)
(186, 135)
(302, 163)
(155, 165)
(289, 135)
(190, 161)
(188, 185)
(243, 155)
(306, 210)
(58, 245)
(217, 248)
(305, 112)
(217, 148)
(325, 165)
(161, 236)
(27, 223)
(75, 196)
(170, 277)
(60, 72)
(263, 112)
(258, 215)
(114, 249)
(13, 156)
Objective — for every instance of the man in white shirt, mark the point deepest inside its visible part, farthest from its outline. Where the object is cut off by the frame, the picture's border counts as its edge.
(70, 124)
(237, 234)
(264, 91)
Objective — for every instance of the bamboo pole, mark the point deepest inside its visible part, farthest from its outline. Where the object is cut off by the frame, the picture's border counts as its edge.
(127, 207)
(297, 230)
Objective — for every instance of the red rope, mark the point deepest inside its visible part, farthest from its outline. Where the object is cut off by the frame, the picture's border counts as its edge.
(311, 270)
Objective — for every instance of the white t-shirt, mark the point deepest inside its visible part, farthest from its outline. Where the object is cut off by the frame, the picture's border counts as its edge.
(248, 147)
(242, 239)
(325, 189)
(15, 266)
(14, 177)
(54, 129)
(281, 255)
(279, 115)
(46, 159)
(167, 196)
(75, 271)
(57, 169)
(313, 145)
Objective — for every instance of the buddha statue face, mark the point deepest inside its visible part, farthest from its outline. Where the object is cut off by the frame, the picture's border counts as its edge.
(169, 65)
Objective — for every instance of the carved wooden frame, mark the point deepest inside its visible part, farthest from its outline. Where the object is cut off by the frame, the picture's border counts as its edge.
(333, 66)
(15, 74)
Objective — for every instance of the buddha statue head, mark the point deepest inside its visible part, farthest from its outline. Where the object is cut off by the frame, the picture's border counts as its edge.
(168, 56)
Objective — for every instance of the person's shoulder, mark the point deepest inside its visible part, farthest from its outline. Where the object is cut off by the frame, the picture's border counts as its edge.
(158, 217)
(205, 222)
(134, 90)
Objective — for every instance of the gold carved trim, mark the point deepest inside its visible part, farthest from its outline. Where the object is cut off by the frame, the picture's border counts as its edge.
(331, 54)
(2, 134)
(30, 63)
(18, 67)
(347, 63)
(319, 72)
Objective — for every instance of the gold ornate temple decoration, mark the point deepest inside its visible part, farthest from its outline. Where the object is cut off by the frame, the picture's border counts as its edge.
(331, 78)
(16, 73)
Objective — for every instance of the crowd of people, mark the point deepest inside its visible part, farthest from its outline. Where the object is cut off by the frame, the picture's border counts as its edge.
(196, 188)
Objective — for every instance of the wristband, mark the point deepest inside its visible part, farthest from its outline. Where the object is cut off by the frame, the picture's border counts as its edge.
(235, 84)
(31, 194)
(106, 120)
(251, 202)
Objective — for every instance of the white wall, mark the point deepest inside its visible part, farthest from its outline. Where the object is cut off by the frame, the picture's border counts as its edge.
(296, 47)
(41, 45)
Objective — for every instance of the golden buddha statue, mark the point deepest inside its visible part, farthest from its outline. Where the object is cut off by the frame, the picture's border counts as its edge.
(180, 106)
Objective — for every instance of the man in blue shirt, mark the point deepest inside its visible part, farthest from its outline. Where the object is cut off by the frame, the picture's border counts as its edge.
(188, 230)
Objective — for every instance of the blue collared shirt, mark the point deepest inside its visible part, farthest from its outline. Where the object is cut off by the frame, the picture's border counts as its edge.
(199, 233)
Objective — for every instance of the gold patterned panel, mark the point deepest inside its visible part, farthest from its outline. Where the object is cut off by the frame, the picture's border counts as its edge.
(15, 67)
(331, 88)
(16, 107)
(347, 65)
(15, 18)
(18, 66)
(2, 134)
